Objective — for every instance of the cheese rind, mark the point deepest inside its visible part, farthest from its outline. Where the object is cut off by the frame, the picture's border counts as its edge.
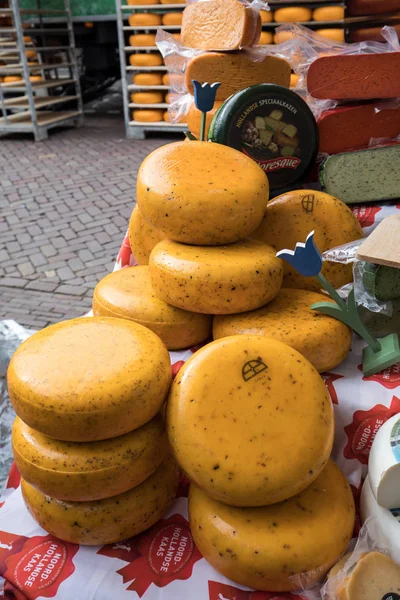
(323, 340)
(283, 547)
(89, 379)
(147, 116)
(147, 79)
(237, 456)
(336, 35)
(328, 13)
(384, 464)
(142, 237)
(142, 19)
(109, 520)
(145, 60)
(147, 97)
(215, 279)
(292, 14)
(373, 577)
(92, 470)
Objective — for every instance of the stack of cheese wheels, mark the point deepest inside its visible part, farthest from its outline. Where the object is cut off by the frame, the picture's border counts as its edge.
(88, 440)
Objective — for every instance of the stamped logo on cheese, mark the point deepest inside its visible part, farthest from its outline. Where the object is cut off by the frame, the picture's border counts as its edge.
(366, 214)
(329, 379)
(365, 425)
(307, 203)
(221, 591)
(389, 378)
(165, 553)
(391, 596)
(252, 368)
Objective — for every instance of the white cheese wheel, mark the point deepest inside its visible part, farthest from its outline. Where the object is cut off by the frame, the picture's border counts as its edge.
(384, 464)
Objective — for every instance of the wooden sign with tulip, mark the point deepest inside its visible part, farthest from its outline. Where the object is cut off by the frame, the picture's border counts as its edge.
(204, 98)
(379, 354)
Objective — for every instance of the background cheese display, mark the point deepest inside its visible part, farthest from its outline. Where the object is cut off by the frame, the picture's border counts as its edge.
(142, 39)
(283, 547)
(128, 294)
(336, 35)
(172, 18)
(193, 118)
(373, 577)
(147, 116)
(328, 13)
(88, 471)
(145, 60)
(324, 341)
(109, 520)
(142, 19)
(215, 279)
(147, 79)
(265, 453)
(147, 97)
(290, 217)
(295, 14)
(89, 379)
(189, 191)
(384, 464)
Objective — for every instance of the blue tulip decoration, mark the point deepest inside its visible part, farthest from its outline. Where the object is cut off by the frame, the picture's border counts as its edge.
(204, 98)
(305, 258)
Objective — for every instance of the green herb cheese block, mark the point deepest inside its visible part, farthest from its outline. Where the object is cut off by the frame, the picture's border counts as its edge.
(382, 282)
(365, 175)
(380, 324)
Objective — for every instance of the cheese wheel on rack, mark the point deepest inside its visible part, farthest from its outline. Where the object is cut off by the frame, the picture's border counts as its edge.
(30, 54)
(226, 203)
(27, 39)
(140, 2)
(290, 217)
(323, 340)
(165, 79)
(142, 39)
(142, 237)
(193, 118)
(147, 79)
(142, 19)
(172, 18)
(88, 471)
(215, 279)
(174, 2)
(147, 116)
(266, 16)
(147, 97)
(238, 408)
(109, 520)
(294, 80)
(176, 36)
(128, 294)
(146, 60)
(35, 78)
(12, 78)
(166, 117)
(328, 13)
(283, 36)
(292, 14)
(169, 98)
(336, 35)
(266, 37)
(89, 379)
(284, 547)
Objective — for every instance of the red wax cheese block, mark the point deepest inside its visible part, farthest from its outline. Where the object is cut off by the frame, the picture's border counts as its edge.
(373, 34)
(351, 127)
(358, 77)
(371, 7)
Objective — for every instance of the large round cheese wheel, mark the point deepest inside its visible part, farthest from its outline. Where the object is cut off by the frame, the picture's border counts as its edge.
(323, 340)
(293, 14)
(336, 35)
(92, 470)
(89, 379)
(145, 60)
(147, 79)
(289, 219)
(142, 237)
(193, 118)
(328, 13)
(284, 547)
(215, 279)
(172, 18)
(147, 97)
(266, 37)
(147, 116)
(108, 520)
(142, 39)
(202, 193)
(250, 420)
(142, 19)
(128, 294)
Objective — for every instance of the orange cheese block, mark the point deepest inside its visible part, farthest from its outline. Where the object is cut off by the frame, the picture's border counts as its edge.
(266, 37)
(220, 25)
(172, 18)
(323, 340)
(266, 16)
(147, 116)
(142, 237)
(89, 379)
(236, 71)
(336, 35)
(147, 97)
(128, 294)
(328, 13)
(146, 60)
(193, 118)
(292, 14)
(142, 39)
(88, 471)
(142, 19)
(290, 217)
(147, 79)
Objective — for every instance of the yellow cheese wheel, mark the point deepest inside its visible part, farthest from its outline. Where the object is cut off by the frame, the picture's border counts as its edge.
(147, 116)
(165, 79)
(147, 79)
(336, 35)
(147, 97)
(323, 340)
(166, 117)
(27, 39)
(89, 379)
(215, 279)
(266, 16)
(328, 13)
(30, 54)
(266, 37)
(145, 60)
(290, 217)
(176, 36)
(168, 98)
(128, 294)
(35, 78)
(142, 237)
(142, 19)
(108, 520)
(139, 2)
(238, 408)
(193, 118)
(172, 18)
(284, 547)
(202, 193)
(12, 78)
(142, 39)
(292, 14)
(92, 470)
(283, 36)
(294, 80)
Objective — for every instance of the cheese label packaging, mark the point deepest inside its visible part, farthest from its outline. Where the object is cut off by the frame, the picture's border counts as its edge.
(273, 126)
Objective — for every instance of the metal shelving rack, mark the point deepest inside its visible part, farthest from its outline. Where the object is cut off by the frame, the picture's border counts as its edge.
(36, 106)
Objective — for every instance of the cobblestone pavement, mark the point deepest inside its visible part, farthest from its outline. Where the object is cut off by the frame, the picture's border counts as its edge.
(64, 209)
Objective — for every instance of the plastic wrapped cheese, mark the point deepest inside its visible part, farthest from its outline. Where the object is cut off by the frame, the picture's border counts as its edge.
(384, 464)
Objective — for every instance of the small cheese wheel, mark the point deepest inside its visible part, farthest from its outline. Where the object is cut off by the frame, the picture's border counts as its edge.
(293, 14)
(147, 116)
(240, 456)
(142, 237)
(12, 78)
(323, 340)
(373, 577)
(336, 35)
(30, 54)
(290, 217)
(147, 97)
(88, 471)
(109, 520)
(35, 78)
(128, 294)
(283, 36)
(172, 18)
(284, 547)
(147, 79)
(146, 60)
(139, 2)
(202, 193)
(166, 117)
(89, 379)
(165, 79)
(328, 13)
(266, 16)
(215, 279)
(266, 37)
(294, 80)
(142, 19)
(142, 39)
(193, 118)
(27, 39)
